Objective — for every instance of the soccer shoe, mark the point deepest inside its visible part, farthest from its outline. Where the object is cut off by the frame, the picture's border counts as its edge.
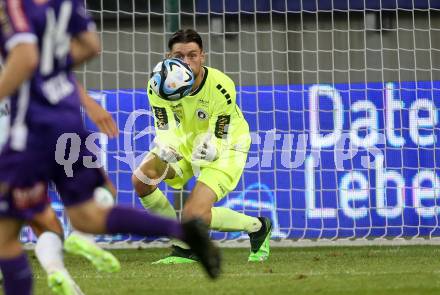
(61, 283)
(100, 258)
(197, 237)
(260, 241)
(178, 256)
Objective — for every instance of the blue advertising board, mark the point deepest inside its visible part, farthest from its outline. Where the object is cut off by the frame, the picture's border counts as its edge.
(326, 161)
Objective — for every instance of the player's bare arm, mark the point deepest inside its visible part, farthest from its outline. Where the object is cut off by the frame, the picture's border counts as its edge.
(19, 67)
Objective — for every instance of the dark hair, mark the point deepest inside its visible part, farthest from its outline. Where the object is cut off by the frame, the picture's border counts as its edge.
(185, 36)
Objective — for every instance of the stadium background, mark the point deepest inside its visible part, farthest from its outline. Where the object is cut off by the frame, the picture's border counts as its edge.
(276, 52)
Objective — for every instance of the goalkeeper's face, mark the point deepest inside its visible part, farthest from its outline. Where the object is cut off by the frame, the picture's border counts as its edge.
(191, 54)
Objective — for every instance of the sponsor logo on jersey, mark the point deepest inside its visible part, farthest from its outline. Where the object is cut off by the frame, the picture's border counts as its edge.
(203, 102)
(221, 126)
(202, 114)
(222, 189)
(30, 196)
(161, 118)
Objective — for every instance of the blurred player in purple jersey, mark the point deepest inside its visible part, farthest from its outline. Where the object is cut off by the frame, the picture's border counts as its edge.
(40, 42)
(46, 225)
(50, 233)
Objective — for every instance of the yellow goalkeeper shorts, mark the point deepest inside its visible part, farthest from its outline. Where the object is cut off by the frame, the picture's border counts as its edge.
(222, 175)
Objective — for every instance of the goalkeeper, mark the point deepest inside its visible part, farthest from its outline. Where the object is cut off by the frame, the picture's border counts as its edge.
(203, 135)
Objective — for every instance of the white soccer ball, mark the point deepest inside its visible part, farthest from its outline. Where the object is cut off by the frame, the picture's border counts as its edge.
(172, 79)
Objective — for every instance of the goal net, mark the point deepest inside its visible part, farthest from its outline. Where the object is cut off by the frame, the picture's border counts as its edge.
(342, 99)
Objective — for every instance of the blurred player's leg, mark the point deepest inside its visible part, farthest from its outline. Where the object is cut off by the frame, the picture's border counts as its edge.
(17, 274)
(89, 217)
(49, 252)
(79, 243)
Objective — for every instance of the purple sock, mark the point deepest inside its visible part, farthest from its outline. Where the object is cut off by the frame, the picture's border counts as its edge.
(123, 220)
(17, 275)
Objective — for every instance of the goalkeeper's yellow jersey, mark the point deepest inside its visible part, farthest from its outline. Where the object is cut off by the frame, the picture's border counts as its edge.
(209, 111)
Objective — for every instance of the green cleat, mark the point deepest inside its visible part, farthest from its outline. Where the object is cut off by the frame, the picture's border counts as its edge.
(202, 250)
(100, 258)
(60, 283)
(174, 260)
(178, 256)
(260, 241)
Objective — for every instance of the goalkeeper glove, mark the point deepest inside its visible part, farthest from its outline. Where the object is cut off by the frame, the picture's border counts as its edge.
(167, 153)
(205, 151)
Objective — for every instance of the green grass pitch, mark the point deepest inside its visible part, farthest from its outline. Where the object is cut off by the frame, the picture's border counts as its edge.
(321, 270)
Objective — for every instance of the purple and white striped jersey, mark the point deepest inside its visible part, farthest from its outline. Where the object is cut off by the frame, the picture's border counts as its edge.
(50, 96)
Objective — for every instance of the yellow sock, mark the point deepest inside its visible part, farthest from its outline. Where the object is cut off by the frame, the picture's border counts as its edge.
(157, 203)
(225, 219)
